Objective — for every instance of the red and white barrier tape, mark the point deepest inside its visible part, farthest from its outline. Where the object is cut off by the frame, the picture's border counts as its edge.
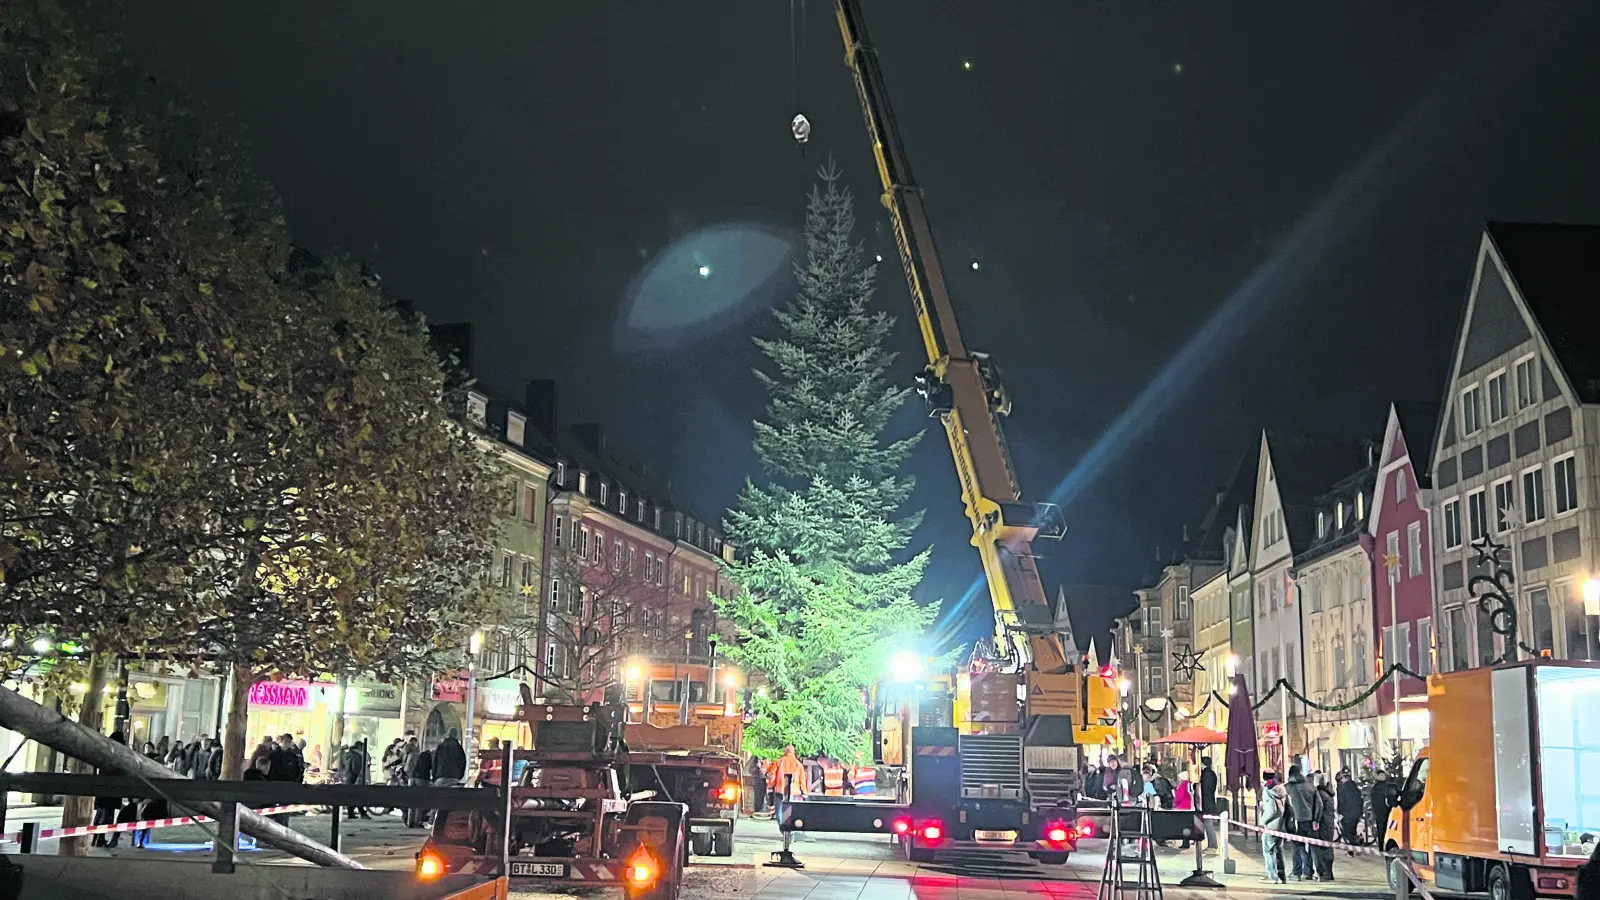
(1284, 835)
(49, 833)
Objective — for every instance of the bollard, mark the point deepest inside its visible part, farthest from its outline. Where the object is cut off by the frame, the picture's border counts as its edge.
(28, 841)
(1229, 867)
(334, 839)
(227, 839)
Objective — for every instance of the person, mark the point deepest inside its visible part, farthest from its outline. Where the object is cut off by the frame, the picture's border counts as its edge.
(1093, 786)
(1349, 802)
(1108, 779)
(353, 765)
(164, 747)
(755, 785)
(449, 761)
(1384, 798)
(1303, 802)
(260, 765)
(1589, 877)
(149, 808)
(419, 773)
(863, 781)
(1323, 856)
(1208, 801)
(149, 752)
(1184, 798)
(494, 745)
(214, 760)
(105, 808)
(832, 776)
(789, 780)
(1272, 815)
(287, 764)
(1157, 787)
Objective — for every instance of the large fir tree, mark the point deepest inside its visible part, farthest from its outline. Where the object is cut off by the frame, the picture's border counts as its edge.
(826, 594)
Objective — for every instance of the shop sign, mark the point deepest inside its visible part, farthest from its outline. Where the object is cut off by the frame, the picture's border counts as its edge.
(451, 687)
(500, 697)
(281, 694)
(372, 698)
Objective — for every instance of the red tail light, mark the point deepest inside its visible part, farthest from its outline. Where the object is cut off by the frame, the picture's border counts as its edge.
(901, 825)
(641, 869)
(933, 831)
(1057, 834)
(729, 793)
(1086, 829)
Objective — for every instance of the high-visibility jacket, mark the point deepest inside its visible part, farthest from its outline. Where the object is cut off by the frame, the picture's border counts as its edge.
(833, 781)
(787, 765)
(864, 779)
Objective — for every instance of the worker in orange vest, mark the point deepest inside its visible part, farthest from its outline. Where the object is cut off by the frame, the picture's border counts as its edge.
(832, 777)
(786, 772)
(864, 781)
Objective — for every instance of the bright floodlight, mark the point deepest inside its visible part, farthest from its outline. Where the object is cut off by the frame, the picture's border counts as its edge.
(1591, 597)
(1233, 665)
(905, 665)
(475, 643)
(705, 271)
(42, 645)
(635, 672)
(1123, 686)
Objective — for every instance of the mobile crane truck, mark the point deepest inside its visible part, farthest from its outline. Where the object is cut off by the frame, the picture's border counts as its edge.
(1011, 780)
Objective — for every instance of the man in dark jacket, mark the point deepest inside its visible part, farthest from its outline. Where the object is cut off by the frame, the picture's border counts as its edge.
(1304, 805)
(1208, 800)
(419, 773)
(1350, 806)
(353, 765)
(1385, 796)
(449, 760)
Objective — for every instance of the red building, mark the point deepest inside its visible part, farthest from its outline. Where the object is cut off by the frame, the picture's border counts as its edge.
(1402, 565)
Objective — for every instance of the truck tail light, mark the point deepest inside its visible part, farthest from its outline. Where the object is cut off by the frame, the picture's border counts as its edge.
(430, 865)
(901, 825)
(933, 832)
(641, 869)
(1057, 833)
(728, 793)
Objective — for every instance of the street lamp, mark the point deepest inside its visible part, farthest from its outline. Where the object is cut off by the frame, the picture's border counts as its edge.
(474, 644)
(1233, 665)
(1591, 607)
(1124, 685)
(905, 665)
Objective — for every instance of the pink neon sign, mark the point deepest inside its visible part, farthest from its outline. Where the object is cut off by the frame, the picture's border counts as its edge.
(295, 694)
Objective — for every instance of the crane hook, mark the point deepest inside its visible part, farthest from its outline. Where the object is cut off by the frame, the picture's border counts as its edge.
(800, 127)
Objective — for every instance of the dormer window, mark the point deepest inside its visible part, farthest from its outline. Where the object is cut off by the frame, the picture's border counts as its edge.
(605, 490)
(1322, 523)
(583, 482)
(561, 474)
(516, 426)
(1338, 515)
(639, 510)
(1361, 506)
(658, 519)
(622, 502)
(478, 410)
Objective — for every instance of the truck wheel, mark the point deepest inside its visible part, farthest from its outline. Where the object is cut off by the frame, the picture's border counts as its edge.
(700, 843)
(1052, 857)
(1509, 883)
(1398, 876)
(722, 843)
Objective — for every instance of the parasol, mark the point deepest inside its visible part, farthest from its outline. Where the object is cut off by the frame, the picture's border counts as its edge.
(1198, 736)
(1243, 768)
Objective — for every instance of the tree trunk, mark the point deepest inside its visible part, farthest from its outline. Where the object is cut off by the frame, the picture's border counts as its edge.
(49, 728)
(233, 730)
(79, 811)
(336, 732)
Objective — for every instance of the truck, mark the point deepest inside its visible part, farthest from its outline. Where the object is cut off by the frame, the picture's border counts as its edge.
(682, 764)
(1505, 799)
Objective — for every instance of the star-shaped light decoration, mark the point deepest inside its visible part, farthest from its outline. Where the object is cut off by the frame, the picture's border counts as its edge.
(1488, 552)
(1166, 634)
(1186, 664)
(527, 590)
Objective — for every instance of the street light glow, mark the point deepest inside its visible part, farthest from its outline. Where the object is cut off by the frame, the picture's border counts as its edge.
(1124, 685)
(1591, 597)
(1233, 664)
(905, 665)
(475, 643)
(634, 673)
(42, 645)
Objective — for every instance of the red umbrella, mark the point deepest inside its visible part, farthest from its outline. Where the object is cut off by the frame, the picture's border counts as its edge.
(1243, 762)
(1198, 735)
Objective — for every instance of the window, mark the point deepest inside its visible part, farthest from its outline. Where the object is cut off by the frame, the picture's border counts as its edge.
(1533, 496)
(550, 659)
(505, 571)
(1527, 385)
(1460, 649)
(1358, 657)
(1425, 646)
(638, 509)
(1471, 411)
(1391, 552)
(616, 556)
(1581, 640)
(1477, 516)
(1543, 632)
(561, 474)
(622, 501)
(1486, 650)
(1338, 515)
(1361, 505)
(658, 519)
(558, 531)
(527, 572)
(1388, 650)
(1499, 407)
(1183, 602)
(1452, 524)
(583, 542)
(530, 504)
(1414, 549)
(605, 493)
(1402, 483)
(1338, 662)
(1152, 621)
(1403, 646)
(1322, 523)
(632, 558)
(599, 548)
(1564, 472)
(1505, 503)
(555, 595)
(583, 482)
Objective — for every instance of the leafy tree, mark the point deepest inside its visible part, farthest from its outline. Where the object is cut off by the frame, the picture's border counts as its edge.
(217, 450)
(825, 595)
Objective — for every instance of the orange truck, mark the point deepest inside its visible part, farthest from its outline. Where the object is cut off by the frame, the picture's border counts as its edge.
(1506, 798)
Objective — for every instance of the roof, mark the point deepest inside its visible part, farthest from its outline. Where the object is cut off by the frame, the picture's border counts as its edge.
(1419, 422)
(1223, 514)
(1307, 467)
(1557, 271)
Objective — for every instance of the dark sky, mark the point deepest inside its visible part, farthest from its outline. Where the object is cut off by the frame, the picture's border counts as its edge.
(1193, 219)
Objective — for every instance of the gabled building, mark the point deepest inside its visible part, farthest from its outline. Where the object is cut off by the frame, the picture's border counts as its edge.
(1241, 596)
(1401, 543)
(1293, 472)
(1515, 453)
(1333, 577)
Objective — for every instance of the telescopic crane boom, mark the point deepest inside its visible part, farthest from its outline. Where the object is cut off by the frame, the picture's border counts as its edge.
(963, 389)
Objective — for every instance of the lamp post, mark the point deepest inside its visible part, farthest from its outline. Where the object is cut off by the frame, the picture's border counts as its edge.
(474, 644)
(1123, 686)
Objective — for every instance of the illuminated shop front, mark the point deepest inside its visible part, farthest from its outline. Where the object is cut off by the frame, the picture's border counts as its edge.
(372, 714)
(301, 709)
(497, 713)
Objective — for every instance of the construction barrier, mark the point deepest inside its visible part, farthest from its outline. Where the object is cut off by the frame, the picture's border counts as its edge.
(45, 834)
(1315, 842)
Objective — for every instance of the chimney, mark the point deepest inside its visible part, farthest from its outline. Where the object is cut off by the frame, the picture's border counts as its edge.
(539, 402)
(591, 437)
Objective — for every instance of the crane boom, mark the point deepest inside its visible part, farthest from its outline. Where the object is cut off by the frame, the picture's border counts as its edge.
(964, 390)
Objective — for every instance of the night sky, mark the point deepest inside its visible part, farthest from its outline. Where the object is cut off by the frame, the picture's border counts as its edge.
(1192, 219)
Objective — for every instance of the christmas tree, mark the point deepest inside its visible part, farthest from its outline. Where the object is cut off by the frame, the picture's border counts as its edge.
(826, 591)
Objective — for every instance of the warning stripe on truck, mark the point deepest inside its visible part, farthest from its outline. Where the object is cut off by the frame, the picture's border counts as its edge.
(936, 751)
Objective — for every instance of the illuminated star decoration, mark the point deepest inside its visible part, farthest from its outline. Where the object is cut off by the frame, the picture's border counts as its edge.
(527, 590)
(1186, 665)
(1488, 552)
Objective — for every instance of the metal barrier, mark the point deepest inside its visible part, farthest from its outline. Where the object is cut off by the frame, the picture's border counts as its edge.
(231, 796)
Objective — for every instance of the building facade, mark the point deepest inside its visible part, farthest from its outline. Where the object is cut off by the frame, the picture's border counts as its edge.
(1214, 646)
(1333, 576)
(1400, 540)
(1515, 456)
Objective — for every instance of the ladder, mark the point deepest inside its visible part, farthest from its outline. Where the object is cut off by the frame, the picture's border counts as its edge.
(1114, 881)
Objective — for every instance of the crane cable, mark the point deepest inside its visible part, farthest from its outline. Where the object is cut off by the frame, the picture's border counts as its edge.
(799, 126)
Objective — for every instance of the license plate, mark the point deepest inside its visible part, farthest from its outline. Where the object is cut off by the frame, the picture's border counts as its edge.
(539, 870)
(994, 835)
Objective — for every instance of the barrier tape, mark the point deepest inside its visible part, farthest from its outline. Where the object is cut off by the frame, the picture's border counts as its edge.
(1284, 835)
(80, 831)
